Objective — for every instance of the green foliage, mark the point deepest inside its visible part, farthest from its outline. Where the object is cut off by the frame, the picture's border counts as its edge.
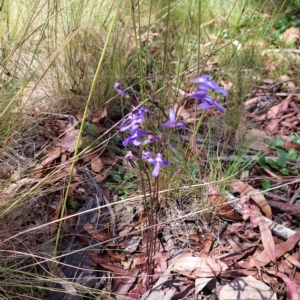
(276, 143)
(89, 128)
(266, 184)
(286, 163)
(295, 139)
(288, 16)
(122, 181)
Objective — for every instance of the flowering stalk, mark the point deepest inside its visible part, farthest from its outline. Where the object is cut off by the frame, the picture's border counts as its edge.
(142, 139)
(133, 122)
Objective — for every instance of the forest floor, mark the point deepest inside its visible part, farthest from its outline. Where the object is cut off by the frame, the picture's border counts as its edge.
(242, 239)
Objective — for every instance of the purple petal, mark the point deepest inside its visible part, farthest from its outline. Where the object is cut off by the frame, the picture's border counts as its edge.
(167, 124)
(208, 102)
(172, 115)
(201, 79)
(126, 119)
(221, 91)
(172, 122)
(200, 95)
(210, 84)
(129, 155)
(205, 84)
(134, 136)
(132, 122)
(146, 155)
(158, 159)
(205, 105)
(156, 169)
(141, 111)
(214, 103)
(219, 107)
(153, 138)
(136, 142)
(158, 162)
(127, 141)
(131, 126)
(151, 160)
(215, 87)
(204, 87)
(139, 133)
(180, 125)
(165, 163)
(117, 87)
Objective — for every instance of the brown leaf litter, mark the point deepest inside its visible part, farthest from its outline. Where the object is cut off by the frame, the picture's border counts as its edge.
(104, 243)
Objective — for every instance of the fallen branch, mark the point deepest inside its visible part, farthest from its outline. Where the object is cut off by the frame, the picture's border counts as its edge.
(280, 50)
(279, 230)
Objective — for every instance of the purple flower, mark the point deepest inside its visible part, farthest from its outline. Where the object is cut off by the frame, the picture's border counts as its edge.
(205, 84)
(134, 137)
(158, 162)
(132, 122)
(117, 87)
(172, 121)
(207, 101)
(146, 155)
(141, 111)
(200, 95)
(129, 155)
(153, 138)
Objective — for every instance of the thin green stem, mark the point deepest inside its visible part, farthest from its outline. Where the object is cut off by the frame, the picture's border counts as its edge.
(75, 157)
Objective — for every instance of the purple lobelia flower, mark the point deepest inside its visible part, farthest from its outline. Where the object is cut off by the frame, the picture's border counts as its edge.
(141, 111)
(134, 119)
(207, 101)
(158, 162)
(153, 138)
(205, 84)
(132, 122)
(146, 154)
(135, 137)
(172, 121)
(129, 155)
(117, 87)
